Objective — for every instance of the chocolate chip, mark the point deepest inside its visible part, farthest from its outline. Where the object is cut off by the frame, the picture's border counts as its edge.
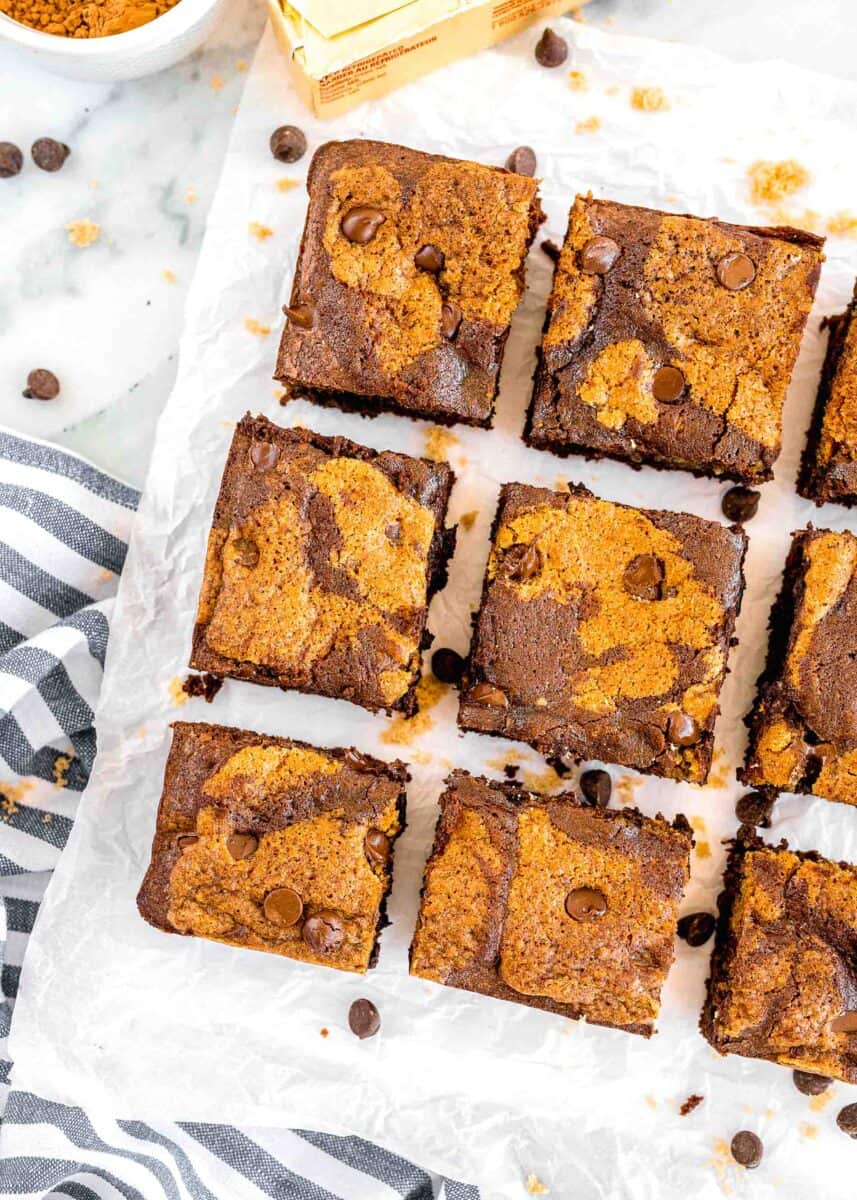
(736, 271)
(586, 904)
(668, 385)
(447, 665)
(11, 160)
(302, 315)
(205, 685)
(288, 144)
(740, 504)
(360, 224)
(754, 809)
(522, 562)
(264, 455)
(48, 154)
(747, 1148)
(450, 319)
(364, 1020)
(696, 928)
(551, 249)
(377, 846)
(242, 845)
(323, 931)
(847, 1120)
(598, 255)
(810, 1085)
(430, 258)
(246, 552)
(644, 577)
(551, 50)
(595, 787)
(845, 1023)
(522, 161)
(184, 840)
(682, 730)
(41, 385)
(283, 906)
(511, 770)
(488, 694)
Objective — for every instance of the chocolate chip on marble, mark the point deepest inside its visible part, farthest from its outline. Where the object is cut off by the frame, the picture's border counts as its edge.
(360, 224)
(301, 315)
(736, 271)
(668, 385)
(430, 258)
(551, 249)
(747, 1148)
(488, 694)
(184, 840)
(586, 904)
(364, 1020)
(810, 1085)
(644, 577)
(246, 552)
(49, 154)
(242, 845)
(599, 255)
(288, 143)
(522, 161)
(450, 319)
(264, 455)
(755, 808)
(595, 787)
(11, 160)
(283, 906)
(323, 931)
(845, 1023)
(551, 49)
(682, 729)
(377, 846)
(447, 665)
(41, 385)
(740, 503)
(696, 928)
(522, 562)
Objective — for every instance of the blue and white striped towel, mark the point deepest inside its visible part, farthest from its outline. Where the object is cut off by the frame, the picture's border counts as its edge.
(63, 533)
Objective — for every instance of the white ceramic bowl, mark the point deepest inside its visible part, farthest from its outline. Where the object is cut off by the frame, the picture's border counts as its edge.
(141, 51)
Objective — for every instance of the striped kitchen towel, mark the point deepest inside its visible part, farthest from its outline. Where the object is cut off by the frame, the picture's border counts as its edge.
(63, 534)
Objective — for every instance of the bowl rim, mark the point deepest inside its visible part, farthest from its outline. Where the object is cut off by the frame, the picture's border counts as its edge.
(160, 30)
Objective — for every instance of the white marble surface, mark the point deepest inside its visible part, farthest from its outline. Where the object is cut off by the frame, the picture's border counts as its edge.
(105, 318)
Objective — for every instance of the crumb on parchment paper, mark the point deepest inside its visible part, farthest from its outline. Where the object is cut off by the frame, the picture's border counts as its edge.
(403, 730)
(256, 327)
(702, 850)
(535, 1186)
(285, 184)
(168, 275)
(771, 182)
(468, 520)
(83, 232)
(577, 81)
(818, 1104)
(439, 442)
(693, 1101)
(589, 125)
(649, 99)
(259, 231)
(61, 768)
(842, 224)
(178, 695)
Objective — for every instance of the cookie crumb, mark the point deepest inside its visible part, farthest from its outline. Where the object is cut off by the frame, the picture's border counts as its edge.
(168, 275)
(61, 765)
(577, 81)
(649, 99)
(256, 327)
(468, 520)
(324, 1031)
(260, 232)
(190, 196)
(690, 1104)
(842, 224)
(205, 685)
(83, 232)
(216, 83)
(771, 182)
(177, 693)
(590, 125)
(403, 730)
(535, 1186)
(285, 184)
(438, 443)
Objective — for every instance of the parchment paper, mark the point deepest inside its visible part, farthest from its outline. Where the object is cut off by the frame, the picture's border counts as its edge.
(482, 1090)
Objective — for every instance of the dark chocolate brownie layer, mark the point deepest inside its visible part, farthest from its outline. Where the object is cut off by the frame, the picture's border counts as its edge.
(670, 340)
(322, 558)
(604, 630)
(410, 268)
(783, 982)
(829, 465)
(803, 725)
(271, 844)
(551, 903)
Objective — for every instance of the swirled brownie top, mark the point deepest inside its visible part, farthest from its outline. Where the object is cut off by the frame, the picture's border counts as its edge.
(603, 631)
(410, 269)
(829, 469)
(671, 339)
(321, 561)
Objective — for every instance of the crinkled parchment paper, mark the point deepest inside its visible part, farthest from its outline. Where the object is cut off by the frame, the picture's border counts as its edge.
(482, 1090)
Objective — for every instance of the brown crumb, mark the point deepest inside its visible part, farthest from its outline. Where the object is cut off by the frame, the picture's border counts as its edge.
(241, 66)
(324, 1031)
(61, 765)
(703, 850)
(535, 1186)
(83, 233)
(468, 520)
(256, 327)
(842, 224)
(649, 99)
(577, 81)
(771, 182)
(590, 125)
(261, 232)
(690, 1104)
(205, 685)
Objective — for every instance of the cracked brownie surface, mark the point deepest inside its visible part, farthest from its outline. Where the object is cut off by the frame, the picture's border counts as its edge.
(272, 844)
(671, 340)
(604, 630)
(829, 465)
(550, 903)
(803, 726)
(783, 982)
